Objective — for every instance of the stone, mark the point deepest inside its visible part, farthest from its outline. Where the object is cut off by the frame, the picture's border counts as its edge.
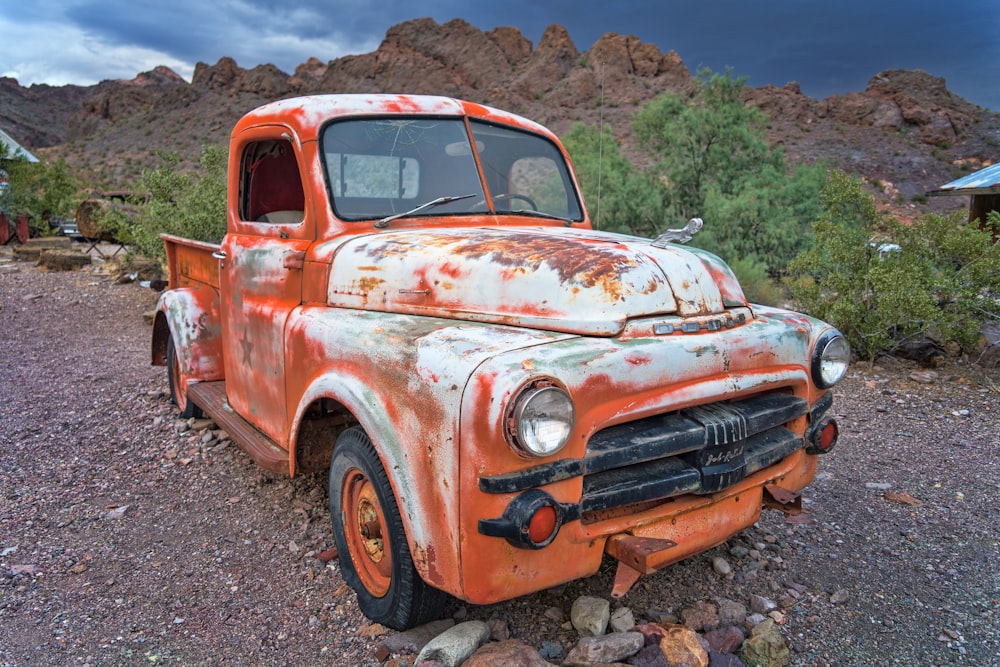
(753, 620)
(371, 630)
(738, 551)
(413, 640)
(607, 648)
(550, 650)
(731, 612)
(765, 646)
(725, 640)
(924, 377)
(649, 656)
(660, 616)
(509, 653)
(722, 566)
(555, 614)
(701, 615)
(878, 486)
(499, 630)
(117, 512)
(761, 605)
(839, 596)
(622, 619)
(681, 645)
(590, 616)
(724, 660)
(652, 632)
(454, 646)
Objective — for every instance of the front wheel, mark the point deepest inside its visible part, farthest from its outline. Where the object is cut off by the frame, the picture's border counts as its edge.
(374, 555)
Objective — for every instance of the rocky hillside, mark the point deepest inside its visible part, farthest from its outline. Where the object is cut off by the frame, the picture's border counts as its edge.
(905, 132)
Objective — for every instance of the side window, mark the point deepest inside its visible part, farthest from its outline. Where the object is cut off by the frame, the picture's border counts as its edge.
(270, 184)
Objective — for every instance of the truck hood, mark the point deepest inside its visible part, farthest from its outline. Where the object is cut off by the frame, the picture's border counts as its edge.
(556, 278)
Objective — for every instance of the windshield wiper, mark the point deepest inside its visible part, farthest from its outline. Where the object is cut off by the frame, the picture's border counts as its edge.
(384, 222)
(539, 214)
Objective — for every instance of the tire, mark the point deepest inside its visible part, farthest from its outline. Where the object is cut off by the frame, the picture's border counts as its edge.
(178, 397)
(374, 554)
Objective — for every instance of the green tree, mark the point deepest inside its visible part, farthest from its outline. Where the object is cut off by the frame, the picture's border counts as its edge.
(713, 140)
(885, 284)
(37, 189)
(706, 156)
(188, 204)
(619, 197)
(712, 152)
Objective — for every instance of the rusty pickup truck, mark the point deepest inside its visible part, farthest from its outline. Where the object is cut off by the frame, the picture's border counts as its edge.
(410, 294)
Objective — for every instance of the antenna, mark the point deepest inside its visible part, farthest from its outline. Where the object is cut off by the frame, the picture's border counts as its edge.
(600, 149)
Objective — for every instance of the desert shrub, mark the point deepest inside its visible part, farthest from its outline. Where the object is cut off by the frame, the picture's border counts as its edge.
(883, 283)
(189, 204)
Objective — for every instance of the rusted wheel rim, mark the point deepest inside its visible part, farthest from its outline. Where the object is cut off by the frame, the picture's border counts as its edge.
(366, 533)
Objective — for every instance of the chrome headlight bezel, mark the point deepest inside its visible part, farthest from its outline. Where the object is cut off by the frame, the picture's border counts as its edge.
(540, 419)
(830, 360)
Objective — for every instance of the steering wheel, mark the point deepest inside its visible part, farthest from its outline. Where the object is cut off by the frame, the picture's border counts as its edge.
(514, 196)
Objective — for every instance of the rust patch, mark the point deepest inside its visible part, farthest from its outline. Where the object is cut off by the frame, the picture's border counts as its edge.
(530, 251)
(577, 261)
(368, 284)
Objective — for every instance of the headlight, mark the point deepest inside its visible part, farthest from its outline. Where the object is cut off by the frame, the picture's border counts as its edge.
(831, 356)
(542, 420)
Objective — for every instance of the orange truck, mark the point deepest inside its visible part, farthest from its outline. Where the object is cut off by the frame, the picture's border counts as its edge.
(410, 294)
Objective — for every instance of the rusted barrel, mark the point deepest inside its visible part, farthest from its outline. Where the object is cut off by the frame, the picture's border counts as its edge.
(90, 216)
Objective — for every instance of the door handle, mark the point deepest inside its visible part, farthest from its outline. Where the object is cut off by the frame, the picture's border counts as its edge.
(295, 259)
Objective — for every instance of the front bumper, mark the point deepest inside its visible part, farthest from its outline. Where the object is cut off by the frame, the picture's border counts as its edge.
(682, 482)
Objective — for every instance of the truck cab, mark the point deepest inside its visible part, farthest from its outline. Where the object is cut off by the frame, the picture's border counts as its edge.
(411, 295)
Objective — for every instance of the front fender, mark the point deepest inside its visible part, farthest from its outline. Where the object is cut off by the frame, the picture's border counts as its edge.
(402, 377)
(190, 315)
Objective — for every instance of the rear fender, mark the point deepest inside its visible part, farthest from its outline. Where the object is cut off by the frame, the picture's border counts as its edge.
(191, 316)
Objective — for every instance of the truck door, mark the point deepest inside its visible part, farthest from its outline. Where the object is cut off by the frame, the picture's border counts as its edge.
(261, 275)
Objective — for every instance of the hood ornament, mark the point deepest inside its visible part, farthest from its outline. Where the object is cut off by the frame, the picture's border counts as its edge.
(682, 235)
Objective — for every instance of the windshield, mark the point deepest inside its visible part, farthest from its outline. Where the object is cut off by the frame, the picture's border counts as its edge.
(380, 168)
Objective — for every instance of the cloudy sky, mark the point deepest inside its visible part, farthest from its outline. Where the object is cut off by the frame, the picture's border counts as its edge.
(828, 46)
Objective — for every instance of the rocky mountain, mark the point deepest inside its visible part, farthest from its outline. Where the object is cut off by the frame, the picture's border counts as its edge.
(905, 132)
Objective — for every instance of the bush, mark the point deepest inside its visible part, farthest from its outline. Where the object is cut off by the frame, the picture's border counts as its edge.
(939, 283)
(188, 204)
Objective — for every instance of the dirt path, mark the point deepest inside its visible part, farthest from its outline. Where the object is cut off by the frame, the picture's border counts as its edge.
(126, 538)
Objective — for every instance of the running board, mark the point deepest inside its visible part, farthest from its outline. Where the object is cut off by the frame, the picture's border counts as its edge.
(211, 398)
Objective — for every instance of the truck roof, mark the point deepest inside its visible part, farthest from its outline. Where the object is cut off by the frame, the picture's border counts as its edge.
(307, 115)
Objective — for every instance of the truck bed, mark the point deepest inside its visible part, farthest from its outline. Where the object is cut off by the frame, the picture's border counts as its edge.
(191, 263)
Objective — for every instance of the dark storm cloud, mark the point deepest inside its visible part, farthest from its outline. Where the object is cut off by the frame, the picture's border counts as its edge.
(828, 47)
(175, 28)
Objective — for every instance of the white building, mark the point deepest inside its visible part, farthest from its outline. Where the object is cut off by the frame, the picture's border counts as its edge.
(15, 149)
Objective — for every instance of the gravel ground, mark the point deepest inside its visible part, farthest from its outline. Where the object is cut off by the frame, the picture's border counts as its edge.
(128, 538)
